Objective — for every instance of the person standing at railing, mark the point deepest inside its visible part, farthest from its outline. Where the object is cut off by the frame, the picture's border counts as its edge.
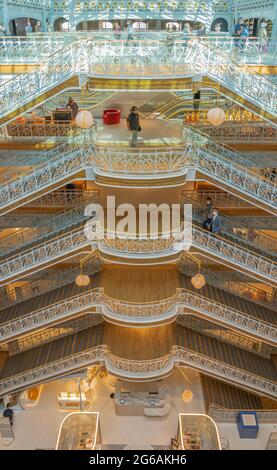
(72, 105)
(208, 214)
(216, 223)
(133, 124)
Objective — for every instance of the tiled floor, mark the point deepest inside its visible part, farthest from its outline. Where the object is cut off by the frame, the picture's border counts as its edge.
(37, 427)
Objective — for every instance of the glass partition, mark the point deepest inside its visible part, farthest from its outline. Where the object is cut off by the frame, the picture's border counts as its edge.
(197, 432)
(79, 431)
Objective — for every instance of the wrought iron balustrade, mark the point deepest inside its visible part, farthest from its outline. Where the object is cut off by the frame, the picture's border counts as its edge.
(219, 198)
(240, 133)
(237, 230)
(138, 58)
(140, 369)
(49, 281)
(204, 156)
(226, 415)
(48, 226)
(65, 197)
(66, 164)
(53, 369)
(133, 246)
(144, 313)
(259, 296)
(46, 252)
(224, 371)
(35, 49)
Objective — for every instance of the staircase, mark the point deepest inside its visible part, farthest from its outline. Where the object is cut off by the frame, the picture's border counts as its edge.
(69, 164)
(69, 301)
(225, 168)
(76, 352)
(246, 87)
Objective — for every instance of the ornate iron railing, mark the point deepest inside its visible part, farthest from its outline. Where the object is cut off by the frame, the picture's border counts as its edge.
(46, 252)
(219, 198)
(32, 131)
(50, 225)
(240, 133)
(146, 162)
(132, 246)
(150, 58)
(200, 154)
(224, 371)
(144, 313)
(54, 369)
(245, 291)
(65, 197)
(45, 176)
(35, 49)
(227, 71)
(136, 370)
(225, 415)
(237, 230)
(48, 282)
(227, 250)
(217, 162)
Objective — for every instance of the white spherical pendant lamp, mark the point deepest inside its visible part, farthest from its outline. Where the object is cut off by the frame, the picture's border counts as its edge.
(216, 116)
(82, 280)
(187, 395)
(198, 281)
(84, 119)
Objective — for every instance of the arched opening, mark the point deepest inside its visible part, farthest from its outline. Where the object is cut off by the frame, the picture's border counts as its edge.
(140, 26)
(24, 25)
(219, 25)
(173, 26)
(61, 24)
(92, 25)
(107, 25)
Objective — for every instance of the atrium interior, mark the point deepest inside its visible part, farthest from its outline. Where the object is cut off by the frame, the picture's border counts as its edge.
(138, 225)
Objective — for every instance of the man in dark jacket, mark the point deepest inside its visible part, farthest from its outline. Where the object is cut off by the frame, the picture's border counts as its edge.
(208, 214)
(133, 125)
(216, 223)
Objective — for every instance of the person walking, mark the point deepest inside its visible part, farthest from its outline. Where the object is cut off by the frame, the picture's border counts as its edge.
(130, 33)
(133, 125)
(216, 223)
(208, 214)
(8, 413)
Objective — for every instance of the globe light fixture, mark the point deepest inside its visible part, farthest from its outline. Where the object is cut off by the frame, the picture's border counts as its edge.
(82, 280)
(84, 119)
(198, 281)
(216, 116)
(187, 396)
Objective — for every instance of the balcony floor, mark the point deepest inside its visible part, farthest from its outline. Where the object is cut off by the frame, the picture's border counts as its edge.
(155, 133)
